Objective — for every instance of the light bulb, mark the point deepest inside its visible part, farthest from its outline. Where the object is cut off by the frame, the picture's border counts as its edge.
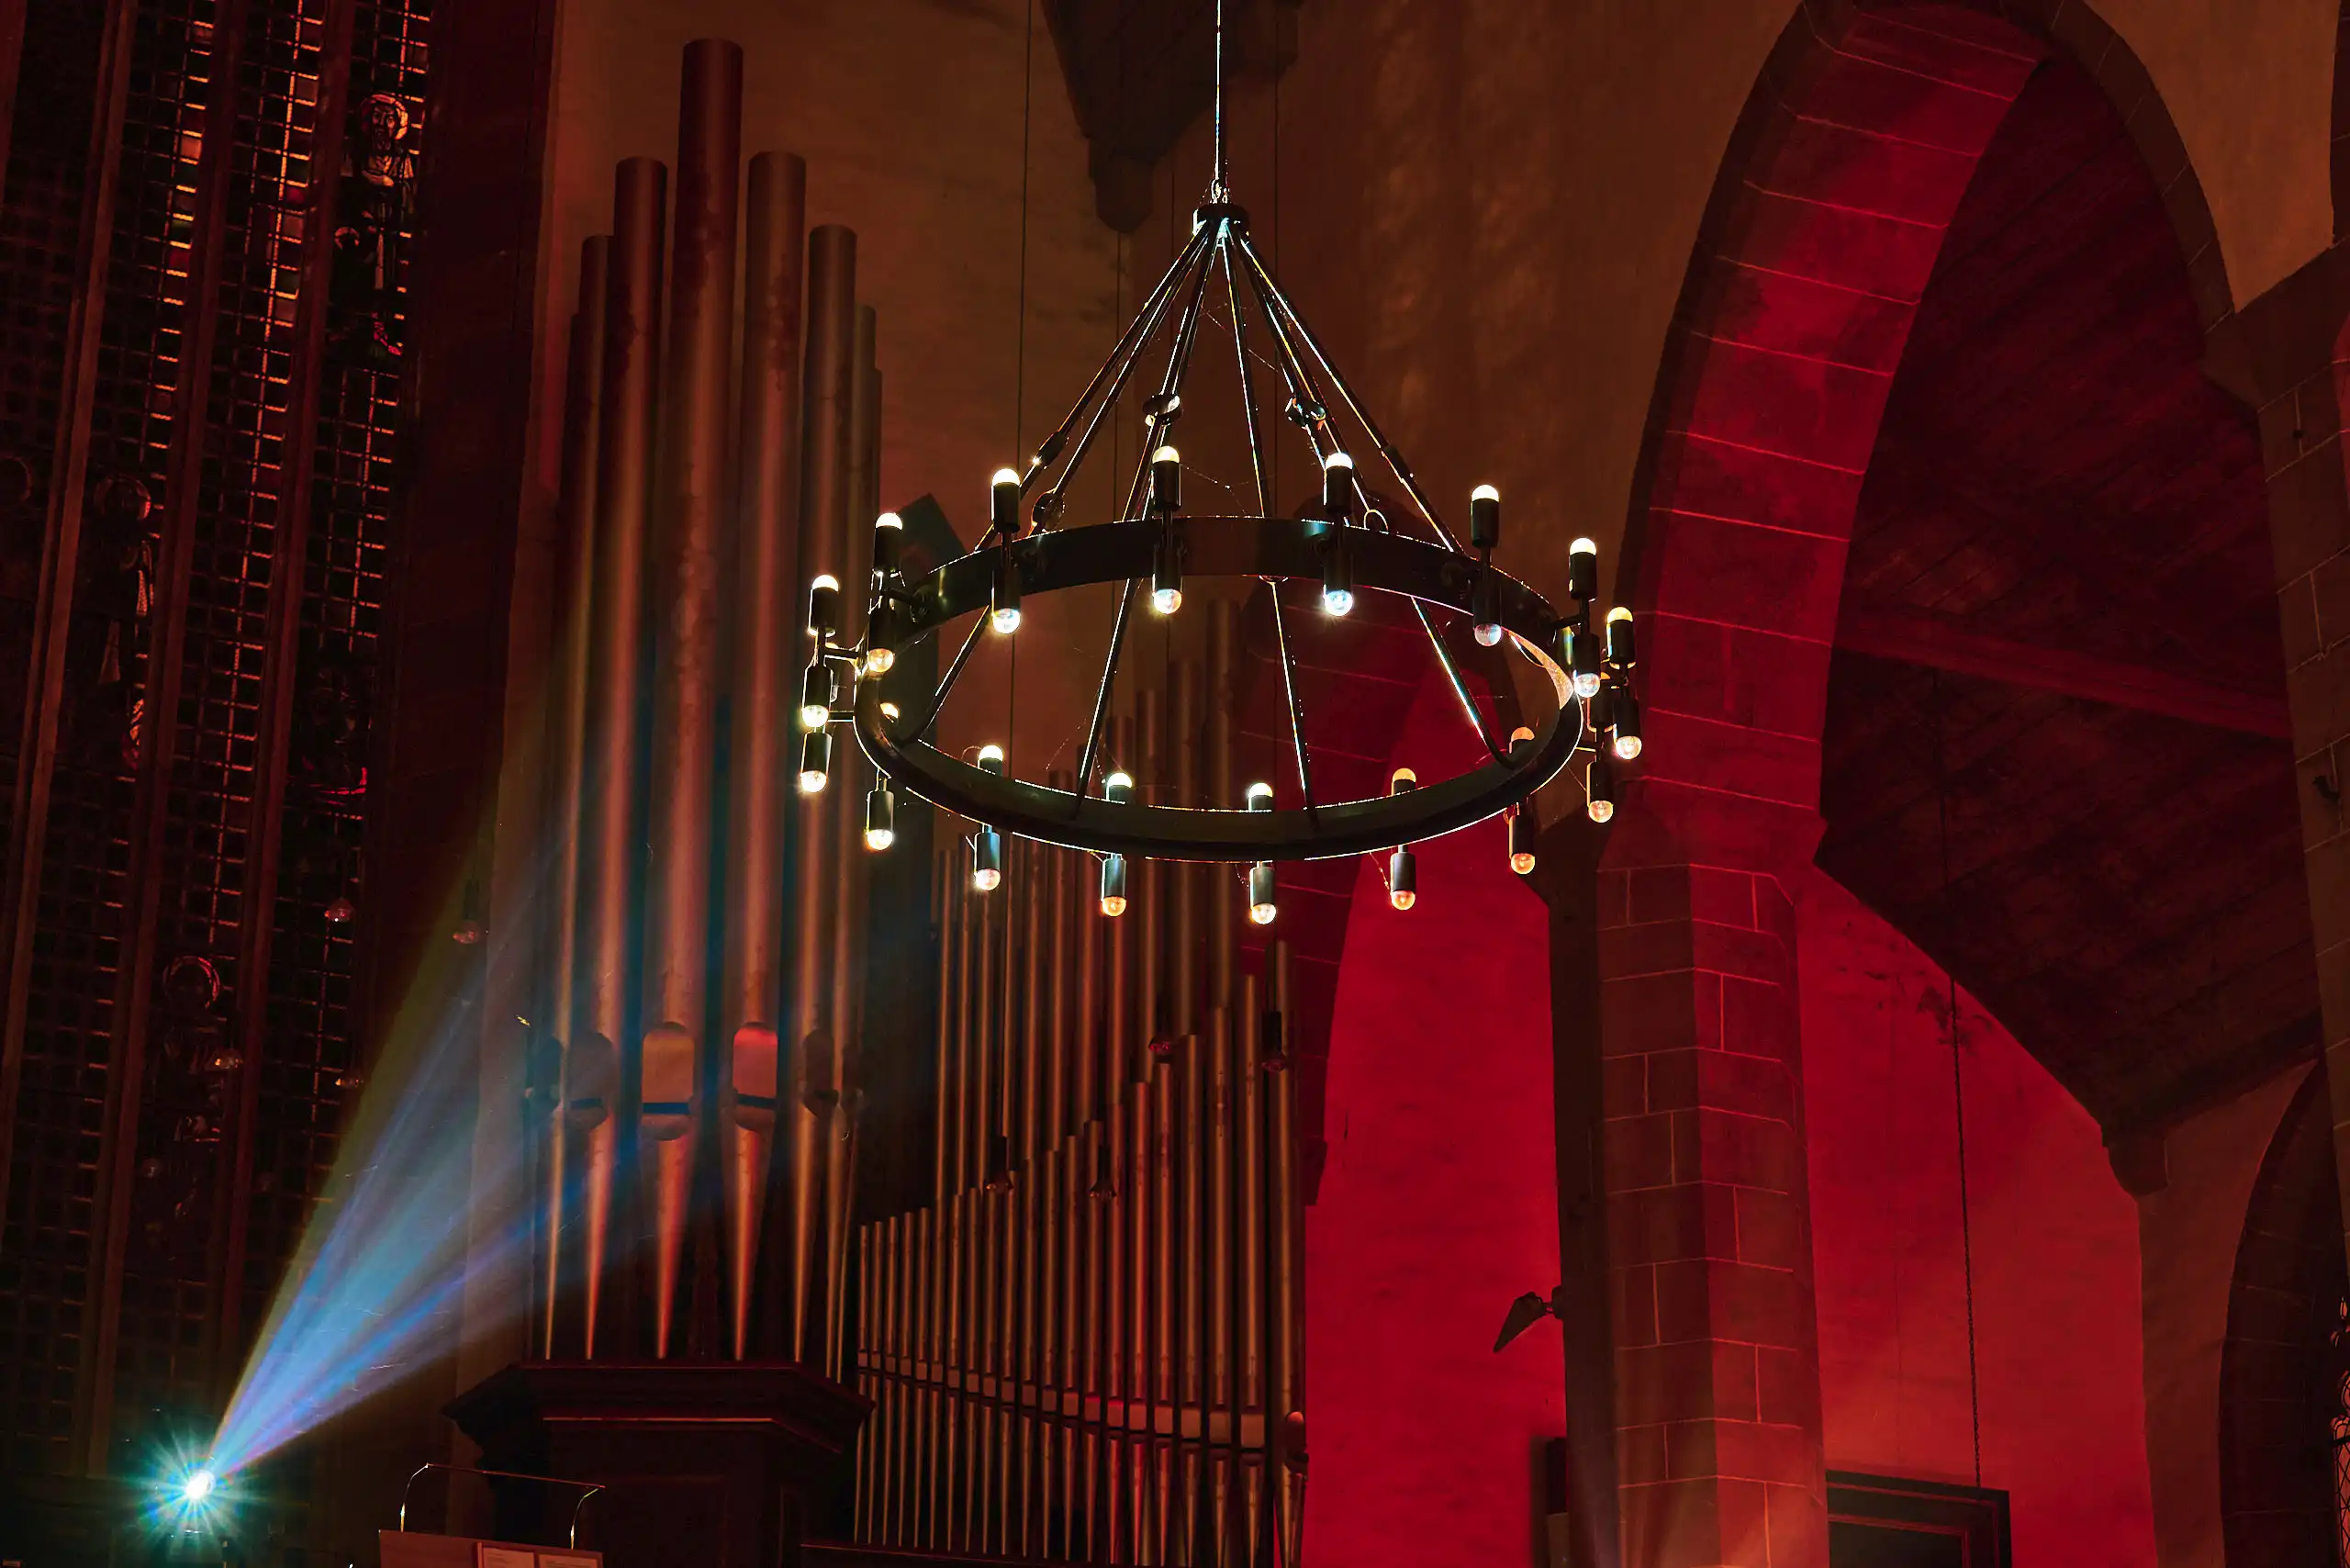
(1262, 914)
(1402, 898)
(814, 715)
(1003, 503)
(880, 661)
(1261, 796)
(1521, 861)
(1403, 880)
(1113, 905)
(987, 860)
(815, 760)
(824, 605)
(992, 759)
(880, 838)
(1521, 842)
(811, 781)
(1166, 601)
(1485, 519)
(1488, 635)
(1586, 685)
(1620, 636)
(888, 532)
(1602, 810)
(198, 1486)
(1004, 619)
(1628, 747)
(1337, 601)
(1118, 788)
(986, 878)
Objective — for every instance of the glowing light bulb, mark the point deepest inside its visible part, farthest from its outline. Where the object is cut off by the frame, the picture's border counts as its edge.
(880, 818)
(1488, 635)
(1115, 905)
(1118, 788)
(880, 838)
(1521, 861)
(1402, 898)
(1587, 685)
(1337, 601)
(991, 757)
(1628, 747)
(198, 1486)
(811, 781)
(814, 715)
(1261, 796)
(1602, 810)
(1114, 885)
(1003, 477)
(1005, 621)
(1262, 914)
(880, 661)
(987, 878)
(1166, 601)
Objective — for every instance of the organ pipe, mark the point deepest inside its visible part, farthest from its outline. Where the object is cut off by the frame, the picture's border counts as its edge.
(1114, 1349)
(755, 452)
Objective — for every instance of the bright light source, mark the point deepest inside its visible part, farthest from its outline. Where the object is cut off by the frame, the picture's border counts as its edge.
(987, 878)
(1628, 747)
(1004, 621)
(1489, 635)
(197, 1486)
(880, 838)
(880, 661)
(1600, 808)
(1337, 601)
(1587, 683)
(1166, 601)
(811, 781)
(1262, 914)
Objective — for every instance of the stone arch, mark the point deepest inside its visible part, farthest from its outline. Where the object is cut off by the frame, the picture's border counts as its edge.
(1823, 228)
(2279, 1366)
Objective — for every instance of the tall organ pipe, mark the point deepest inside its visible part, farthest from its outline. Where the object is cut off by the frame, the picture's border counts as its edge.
(815, 1039)
(583, 412)
(843, 809)
(616, 692)
(766, 650)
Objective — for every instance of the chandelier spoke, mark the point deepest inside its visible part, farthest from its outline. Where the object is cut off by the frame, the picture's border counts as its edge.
(954, 674)
(1277, 302)
(1460, 687)
(1296, 703)
(1121, 363)
(1296, 379)
(1248, 385)
(1102, 692)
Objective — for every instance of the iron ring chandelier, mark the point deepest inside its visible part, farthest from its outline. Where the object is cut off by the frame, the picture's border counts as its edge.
(1344, 543)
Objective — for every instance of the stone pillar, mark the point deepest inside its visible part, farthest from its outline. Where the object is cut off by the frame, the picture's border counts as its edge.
(1709, 1232)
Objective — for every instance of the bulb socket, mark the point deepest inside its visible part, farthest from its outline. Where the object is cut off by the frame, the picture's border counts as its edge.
(1165, 481)
(880, 818)
(1584, 659)
(1114, 885)
(825, 608)
(1624, 725)
(987, 860)
(1262, 906)
(1167, 571)
(1583, 571)
(1484, 518)
(1403, 879)
(1003, 596)
(1003, 503)
(1620, 647)
(1601, 786)
(815, 760)
(1339, 493)
(1521, 842)
(816, 697)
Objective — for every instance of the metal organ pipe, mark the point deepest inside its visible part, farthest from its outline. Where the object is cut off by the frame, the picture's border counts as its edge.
(592, 1081)
(693, 496)
(584, 404)
(766, 652)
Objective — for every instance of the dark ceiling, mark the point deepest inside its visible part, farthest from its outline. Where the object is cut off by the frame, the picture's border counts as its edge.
(2054, 749)
(1140, 71)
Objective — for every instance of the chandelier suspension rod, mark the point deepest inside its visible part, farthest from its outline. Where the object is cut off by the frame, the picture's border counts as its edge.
(1298, 382)
(1122, 359)
(1275, 300)
(1216, 192)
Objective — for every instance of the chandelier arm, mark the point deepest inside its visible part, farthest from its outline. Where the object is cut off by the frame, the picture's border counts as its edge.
(1248, 385)
(1296, 705)
(1387, 451)
(954, 674)
(1296, 379)
(1102, 692)
(1460, 687)
(1122, 361)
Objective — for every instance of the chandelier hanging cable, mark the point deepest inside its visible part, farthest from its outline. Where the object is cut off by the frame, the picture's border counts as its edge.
(1343, 544)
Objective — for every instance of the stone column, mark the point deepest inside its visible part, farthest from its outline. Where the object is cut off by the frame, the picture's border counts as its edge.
(1709, 1231)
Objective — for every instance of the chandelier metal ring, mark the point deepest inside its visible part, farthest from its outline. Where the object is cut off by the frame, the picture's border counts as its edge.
(1269, 549)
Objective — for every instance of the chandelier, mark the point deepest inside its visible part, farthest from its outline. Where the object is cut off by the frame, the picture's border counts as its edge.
(1343, 543)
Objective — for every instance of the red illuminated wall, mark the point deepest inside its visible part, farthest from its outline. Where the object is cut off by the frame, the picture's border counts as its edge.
(2056, 1252)
(1437, 1207)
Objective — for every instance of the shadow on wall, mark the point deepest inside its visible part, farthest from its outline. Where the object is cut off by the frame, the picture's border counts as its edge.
(2058, 1367)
